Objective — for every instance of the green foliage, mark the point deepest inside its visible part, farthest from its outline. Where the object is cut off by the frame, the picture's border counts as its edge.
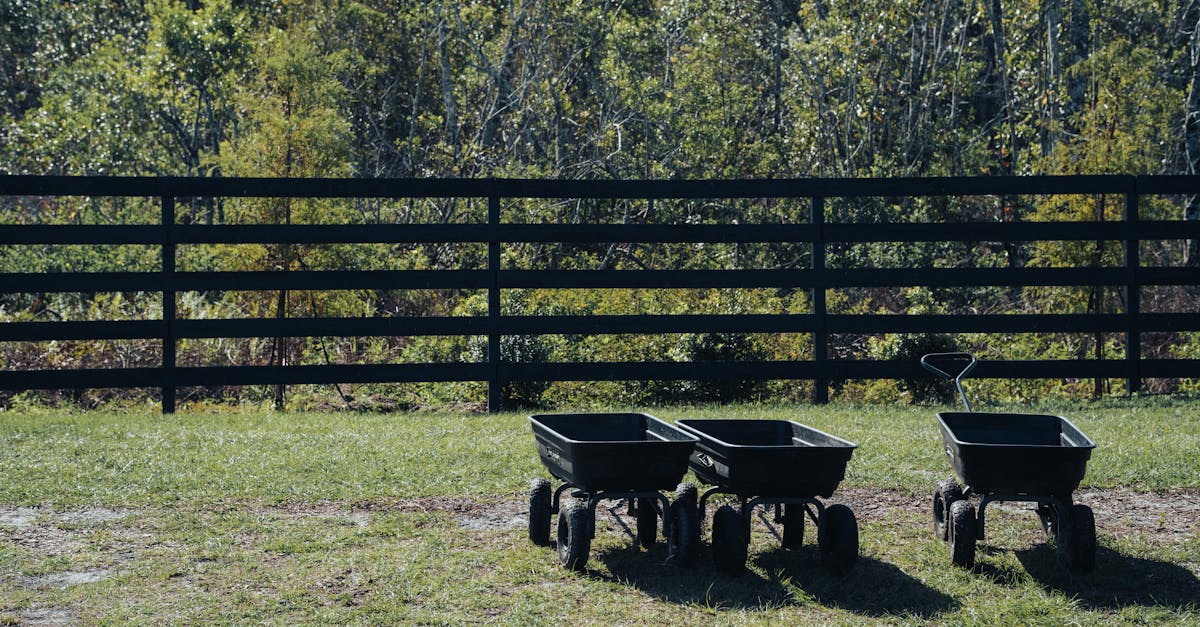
(911, 347)
(721, 347)
(600, 90)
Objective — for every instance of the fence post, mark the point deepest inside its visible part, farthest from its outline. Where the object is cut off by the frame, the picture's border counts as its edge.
(168, 305)
(1133, 294)
(494, 383)
(820, 394)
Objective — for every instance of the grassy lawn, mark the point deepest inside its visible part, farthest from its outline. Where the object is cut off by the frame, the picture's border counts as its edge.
(359, 518)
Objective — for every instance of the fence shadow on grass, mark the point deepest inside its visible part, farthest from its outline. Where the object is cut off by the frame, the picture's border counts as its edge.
(1118, 581)
(873, 588)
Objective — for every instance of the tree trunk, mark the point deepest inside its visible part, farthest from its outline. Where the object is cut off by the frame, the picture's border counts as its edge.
(1050, 118)
(447, 83)
(1079, 50)
(999, 121)
(280, 348)
(1191, 138)
(285, 260)
(777, 69)
(502, 77)
(822, 9)
(1097, 304)
(1002, 93)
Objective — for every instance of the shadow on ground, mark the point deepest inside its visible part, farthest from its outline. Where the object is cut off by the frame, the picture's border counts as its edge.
(1118, 581)
(872, 588)
(777, 578)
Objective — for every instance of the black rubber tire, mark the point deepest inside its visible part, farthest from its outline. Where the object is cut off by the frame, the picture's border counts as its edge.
(687, 491)
(1083, 538)
(793, 526)
(944, 496)
(837, 538)
(539, 511)
(647, 522)
(962, 534)
(574, 541)
(683, 545)
(729, 540)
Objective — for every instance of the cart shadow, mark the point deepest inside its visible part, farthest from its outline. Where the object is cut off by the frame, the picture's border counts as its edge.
(702, 584)
(873, 588)
(1118, 580)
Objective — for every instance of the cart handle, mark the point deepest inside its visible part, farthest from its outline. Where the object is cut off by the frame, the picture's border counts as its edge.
(928, 365)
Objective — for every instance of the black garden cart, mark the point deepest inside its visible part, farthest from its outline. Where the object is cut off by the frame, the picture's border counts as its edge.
(773, 463)
(629, 456)
(1031, 458)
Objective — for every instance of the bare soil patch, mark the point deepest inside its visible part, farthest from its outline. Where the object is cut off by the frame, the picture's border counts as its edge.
(49, 533)
(1168, 518)
(43, 616)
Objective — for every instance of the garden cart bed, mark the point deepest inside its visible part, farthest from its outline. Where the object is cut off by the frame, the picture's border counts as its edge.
(1032, 458)
(776, 463)
(603, 456)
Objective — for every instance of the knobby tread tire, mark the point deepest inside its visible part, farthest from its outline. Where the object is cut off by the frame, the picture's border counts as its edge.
(574, 541)
(539, 511)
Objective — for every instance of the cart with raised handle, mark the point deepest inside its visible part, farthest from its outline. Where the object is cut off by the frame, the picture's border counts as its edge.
(1032, 458)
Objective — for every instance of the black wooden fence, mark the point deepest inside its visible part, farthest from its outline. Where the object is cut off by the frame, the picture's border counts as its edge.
(821, 369)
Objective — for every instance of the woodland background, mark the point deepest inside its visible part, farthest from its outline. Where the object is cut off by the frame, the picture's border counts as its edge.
(682, 89)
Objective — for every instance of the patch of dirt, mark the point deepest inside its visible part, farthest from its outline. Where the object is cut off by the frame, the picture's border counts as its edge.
(49, 533)
(41, 616)
(441, 504)
(502, 515)
(1169, 518)
(346, 588)
(382, 504)
(92, 516)
(67, 579)
(18, 517)
(470, 514)
(344, 513)
(868, 503)
(45, 540)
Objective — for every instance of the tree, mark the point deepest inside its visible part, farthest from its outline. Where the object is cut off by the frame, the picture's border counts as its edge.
(294, 127)
(1190, 17)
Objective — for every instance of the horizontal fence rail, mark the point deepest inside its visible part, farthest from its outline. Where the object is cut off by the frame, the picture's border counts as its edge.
(813, 232)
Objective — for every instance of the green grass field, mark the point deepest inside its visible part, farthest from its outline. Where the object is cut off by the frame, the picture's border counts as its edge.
(116, 518)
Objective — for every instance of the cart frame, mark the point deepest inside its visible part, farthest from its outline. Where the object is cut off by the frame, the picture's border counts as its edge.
(591, 454)
(758, 470)
(1071, 525)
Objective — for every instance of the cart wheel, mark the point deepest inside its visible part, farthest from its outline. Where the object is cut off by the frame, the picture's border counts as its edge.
(962, 534)
(687, 492)
(837, 537)
(793, 526)
(683, 546)
(574, 542)
(539, 512)
(647, 522)
(944, 496)
(1083, 538)
(729, 540)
